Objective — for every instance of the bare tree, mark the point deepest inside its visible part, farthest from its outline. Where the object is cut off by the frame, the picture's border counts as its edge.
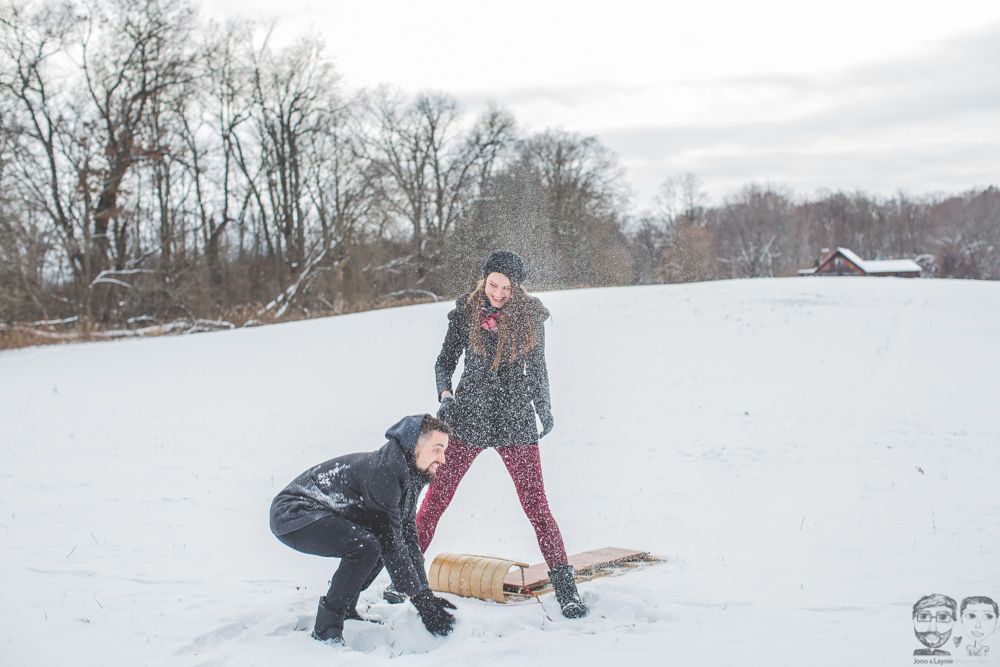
(344, 186)
(434, 167)
(750, 228)
(24, 242)
(681, 200)
(132, 52)
(968, 242)
(33, 43)
(581, 194)
(688, 250)
(294, 89)
(83, 81)
(209, 112)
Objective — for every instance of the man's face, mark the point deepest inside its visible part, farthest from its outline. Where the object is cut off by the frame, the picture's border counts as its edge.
(498, 289)
(429, 452)
(979, 621)
(933, 625)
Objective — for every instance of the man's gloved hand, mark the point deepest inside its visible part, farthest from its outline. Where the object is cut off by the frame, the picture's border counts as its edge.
(445, 603)
(545, 414)
(444, 412)
(435, 618)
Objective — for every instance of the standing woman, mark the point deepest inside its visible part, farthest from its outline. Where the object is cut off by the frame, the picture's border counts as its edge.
(501, 331)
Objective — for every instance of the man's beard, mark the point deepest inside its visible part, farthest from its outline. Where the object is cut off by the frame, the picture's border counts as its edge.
(933, 639)
(421, 477)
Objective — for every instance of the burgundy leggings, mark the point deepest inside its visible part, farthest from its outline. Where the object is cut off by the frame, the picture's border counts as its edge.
(525, 468)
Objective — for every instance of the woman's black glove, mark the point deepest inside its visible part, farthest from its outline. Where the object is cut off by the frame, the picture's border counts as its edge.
(444, 412)
(432, 613)
(545, 414)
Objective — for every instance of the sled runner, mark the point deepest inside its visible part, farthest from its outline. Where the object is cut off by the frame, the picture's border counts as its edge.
(489, 578)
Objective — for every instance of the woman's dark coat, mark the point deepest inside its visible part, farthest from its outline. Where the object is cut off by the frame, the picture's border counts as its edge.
(493, 408)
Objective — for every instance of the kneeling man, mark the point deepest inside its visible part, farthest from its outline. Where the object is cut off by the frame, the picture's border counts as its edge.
(361, 508)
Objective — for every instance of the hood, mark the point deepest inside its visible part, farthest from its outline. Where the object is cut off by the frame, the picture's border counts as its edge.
(405, 433)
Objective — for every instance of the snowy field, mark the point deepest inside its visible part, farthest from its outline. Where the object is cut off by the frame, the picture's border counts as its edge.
(810, 455)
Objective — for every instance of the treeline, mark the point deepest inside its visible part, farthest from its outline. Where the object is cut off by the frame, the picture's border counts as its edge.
(766, 231)
(158, 169)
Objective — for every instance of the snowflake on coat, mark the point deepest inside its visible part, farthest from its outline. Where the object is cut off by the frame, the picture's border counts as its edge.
(325, 480)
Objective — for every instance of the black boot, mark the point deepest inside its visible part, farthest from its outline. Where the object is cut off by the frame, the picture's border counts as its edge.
(392, 596)
(329, 623)
(565, 586)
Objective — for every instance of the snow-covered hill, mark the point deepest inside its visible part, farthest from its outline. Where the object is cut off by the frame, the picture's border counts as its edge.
(812, 455)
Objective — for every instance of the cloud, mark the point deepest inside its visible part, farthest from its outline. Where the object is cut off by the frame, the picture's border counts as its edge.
(925, 123)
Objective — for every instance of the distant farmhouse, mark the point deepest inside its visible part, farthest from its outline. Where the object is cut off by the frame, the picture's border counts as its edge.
(843, 262)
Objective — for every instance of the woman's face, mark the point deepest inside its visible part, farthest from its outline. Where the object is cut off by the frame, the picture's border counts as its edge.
(497, 289)
(979, 621)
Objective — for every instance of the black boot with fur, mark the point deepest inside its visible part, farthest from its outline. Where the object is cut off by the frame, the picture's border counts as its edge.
(564, 584)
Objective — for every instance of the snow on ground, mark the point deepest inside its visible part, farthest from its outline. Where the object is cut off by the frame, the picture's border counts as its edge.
(812, 455)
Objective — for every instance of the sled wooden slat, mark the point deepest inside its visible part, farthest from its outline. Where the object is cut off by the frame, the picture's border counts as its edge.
(503, 580)
(455, 575)
(439, 572)
(537, 576)
(465, 580)
(478, 571)
(471, 576)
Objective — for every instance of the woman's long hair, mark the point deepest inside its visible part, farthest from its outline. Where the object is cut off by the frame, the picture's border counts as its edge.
(516, 334)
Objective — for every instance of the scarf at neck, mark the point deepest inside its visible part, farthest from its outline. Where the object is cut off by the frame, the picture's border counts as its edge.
(489, 316)
(490, 321)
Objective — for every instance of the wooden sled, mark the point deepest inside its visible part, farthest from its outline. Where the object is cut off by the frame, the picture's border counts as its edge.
(489, 578)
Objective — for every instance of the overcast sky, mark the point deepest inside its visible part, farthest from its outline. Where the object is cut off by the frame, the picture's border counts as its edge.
(878, 95)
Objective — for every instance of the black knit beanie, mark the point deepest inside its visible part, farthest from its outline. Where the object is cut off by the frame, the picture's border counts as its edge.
(506, 262)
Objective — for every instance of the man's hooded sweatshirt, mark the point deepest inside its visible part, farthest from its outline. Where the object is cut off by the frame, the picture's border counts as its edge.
(375, 490)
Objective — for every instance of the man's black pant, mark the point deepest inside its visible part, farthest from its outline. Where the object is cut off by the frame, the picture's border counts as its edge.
(358, 550)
